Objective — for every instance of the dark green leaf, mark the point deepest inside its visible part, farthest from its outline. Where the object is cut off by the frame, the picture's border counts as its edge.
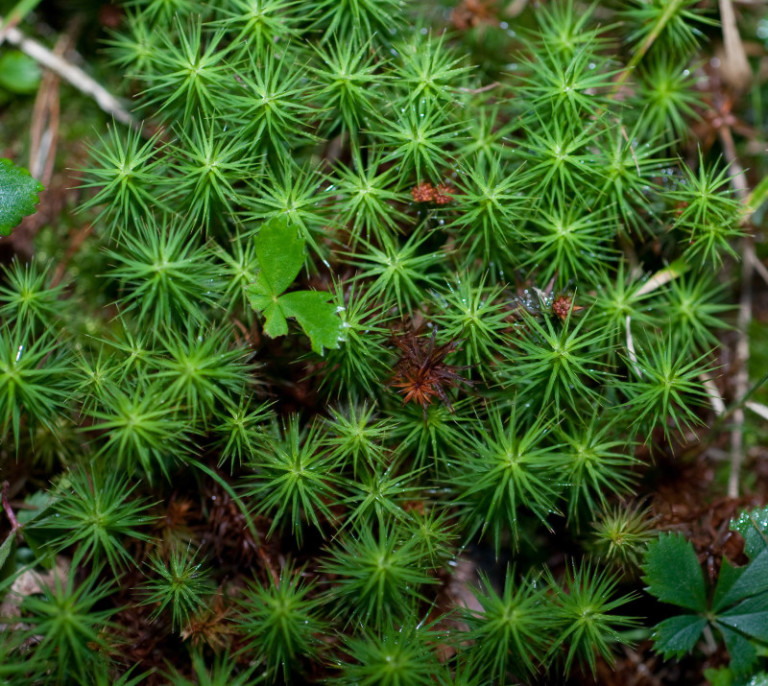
(753, 527)
(18, 195)
(673, 573)
(19, 73)
(754, 625)
(728, 577)
(751, 580)
(676, 636)
(750, 617)
(759, 679)
(743, 653)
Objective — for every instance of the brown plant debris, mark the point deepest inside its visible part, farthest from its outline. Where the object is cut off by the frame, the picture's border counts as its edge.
(421, 374)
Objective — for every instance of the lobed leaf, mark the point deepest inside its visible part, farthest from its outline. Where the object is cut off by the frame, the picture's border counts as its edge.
(673, 573)
(280, 251)
(676, 636)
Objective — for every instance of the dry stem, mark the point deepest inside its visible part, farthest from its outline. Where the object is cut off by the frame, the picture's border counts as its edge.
(741, 358)
(70, 73)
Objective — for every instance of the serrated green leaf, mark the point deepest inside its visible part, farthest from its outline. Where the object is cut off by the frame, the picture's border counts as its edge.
(316, 316)
(280, 252)
(673, 573)
(19, 73)
(676, 636)
(752, 580)
(749, 617)
(741, 650)
(754, 624)
(753, 526)
(729, 575)
(18, 195)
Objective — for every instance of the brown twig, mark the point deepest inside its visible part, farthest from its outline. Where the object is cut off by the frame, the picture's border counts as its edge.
(74, 245)
(247, 339)
(45, 115)
(761, 269)
(72, 74)
(741, 358)
(15, 526)
(268, 564)
(735, 66)
(482, 89)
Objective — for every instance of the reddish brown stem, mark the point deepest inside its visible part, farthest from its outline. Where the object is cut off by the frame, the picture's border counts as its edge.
(15, 526)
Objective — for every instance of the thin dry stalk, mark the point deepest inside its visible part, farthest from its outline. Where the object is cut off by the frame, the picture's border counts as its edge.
(72, 74)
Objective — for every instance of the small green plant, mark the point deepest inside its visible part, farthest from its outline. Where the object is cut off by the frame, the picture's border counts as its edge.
(398, 654)
(281, 621)
(620, 535)
(379, 577)
(179, 584)
(511, 632)
(96, 513)
(292, 481)
(736, 607)
(70, 626)
(280, 253)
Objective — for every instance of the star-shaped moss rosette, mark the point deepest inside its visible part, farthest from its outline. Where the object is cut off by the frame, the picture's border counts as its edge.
(18, 195)
(280, 252)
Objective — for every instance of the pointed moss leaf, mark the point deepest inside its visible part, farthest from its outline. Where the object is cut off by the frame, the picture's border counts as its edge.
(316, 316)
(673, 573)
(758, 196)
(280, 252)
(741, 650)
(18, 195)
(5, 548)
(752, 581)
(753, 526)
(676, 636)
